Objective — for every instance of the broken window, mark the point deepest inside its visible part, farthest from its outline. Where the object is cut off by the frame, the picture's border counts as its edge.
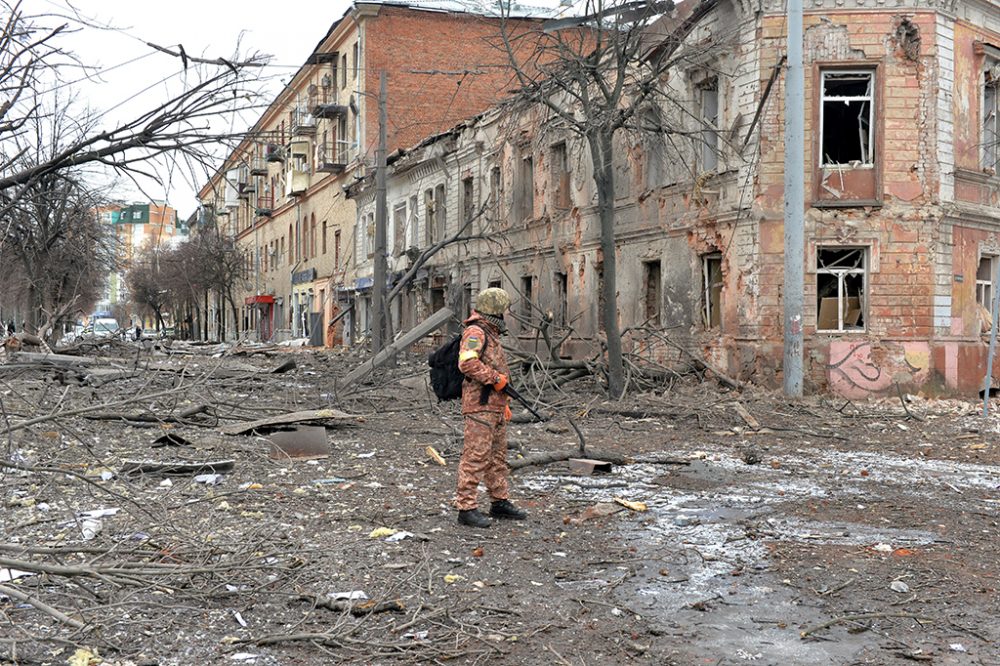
(495, 284)
(468, 199)
(412, 217)
(653, 291)
(429, 216)
(398, 229)
(336, 248)
(525, 203)
(440, 212)
(561, 315)
(560, 176)
(527, 294)
(495, 192)
(437, 298)
(711, 271)
(467, 302)
(984, 283)
(846, 118)
(991, 117)
(840, 288)
(709, 91)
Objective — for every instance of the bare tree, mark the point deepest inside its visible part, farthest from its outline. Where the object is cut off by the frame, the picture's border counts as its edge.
(56, 255)
(146, 286)
(221, 267)
(31, 60)
(597, 76)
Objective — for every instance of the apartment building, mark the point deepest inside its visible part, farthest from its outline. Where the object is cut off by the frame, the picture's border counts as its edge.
(137, 227)
(282, 190)
(901, 223)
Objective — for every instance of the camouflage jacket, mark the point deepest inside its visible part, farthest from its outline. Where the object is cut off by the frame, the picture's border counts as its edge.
(482, 368)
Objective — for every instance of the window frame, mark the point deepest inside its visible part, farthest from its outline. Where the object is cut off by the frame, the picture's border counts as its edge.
(864, 271)
(990, 150)
(706, 290)
(709, 153)
(987, 285)
(871, 98)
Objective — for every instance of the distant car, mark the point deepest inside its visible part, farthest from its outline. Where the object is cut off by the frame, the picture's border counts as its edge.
(101, 328)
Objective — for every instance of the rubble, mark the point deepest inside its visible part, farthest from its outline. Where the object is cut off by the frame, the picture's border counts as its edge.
(784, 559)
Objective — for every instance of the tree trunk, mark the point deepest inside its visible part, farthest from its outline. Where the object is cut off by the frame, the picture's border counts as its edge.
(602, 154)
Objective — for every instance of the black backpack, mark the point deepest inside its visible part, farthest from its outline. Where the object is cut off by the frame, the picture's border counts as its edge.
(446, 378)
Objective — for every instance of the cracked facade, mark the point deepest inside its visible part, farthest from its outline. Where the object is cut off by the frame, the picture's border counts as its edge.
(901, 224)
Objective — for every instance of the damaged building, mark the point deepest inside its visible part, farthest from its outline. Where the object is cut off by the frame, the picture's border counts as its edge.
(281, 191)
(901, 192)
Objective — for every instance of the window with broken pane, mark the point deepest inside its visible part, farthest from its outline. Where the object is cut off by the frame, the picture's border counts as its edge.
(991, 122)
(711, 270)
(984, 282)
(846, 118)
(840, 288)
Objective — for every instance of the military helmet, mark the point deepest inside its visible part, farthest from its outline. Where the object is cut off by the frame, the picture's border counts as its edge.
(492, 301)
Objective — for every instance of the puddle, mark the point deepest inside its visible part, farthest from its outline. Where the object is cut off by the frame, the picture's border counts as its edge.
(702, 579)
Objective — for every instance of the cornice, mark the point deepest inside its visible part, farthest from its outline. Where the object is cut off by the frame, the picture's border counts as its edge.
(780, 6)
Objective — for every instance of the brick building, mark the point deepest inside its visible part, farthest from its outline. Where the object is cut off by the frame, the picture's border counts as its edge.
(901, 192)
(281, 190)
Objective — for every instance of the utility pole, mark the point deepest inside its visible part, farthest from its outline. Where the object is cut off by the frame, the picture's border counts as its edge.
(255, 312)
(988, 381)
(794, 203)
(378, 286)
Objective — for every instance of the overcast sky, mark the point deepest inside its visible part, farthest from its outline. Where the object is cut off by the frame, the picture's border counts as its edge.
(287, 30)
(131, 73)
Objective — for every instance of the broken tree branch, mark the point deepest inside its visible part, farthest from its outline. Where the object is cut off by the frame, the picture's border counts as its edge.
(861, 616)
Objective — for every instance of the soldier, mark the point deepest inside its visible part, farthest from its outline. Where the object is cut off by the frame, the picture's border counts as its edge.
(486, 409)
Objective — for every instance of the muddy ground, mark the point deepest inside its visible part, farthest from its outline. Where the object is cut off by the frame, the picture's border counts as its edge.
(816, 532)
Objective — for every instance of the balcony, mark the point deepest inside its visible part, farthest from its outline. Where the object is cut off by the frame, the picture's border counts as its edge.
(247, 189)
(303, 122)
(299, 148)
(258, 167)
(296, 182)
(274, 153)
(265, 205)
(331, 157)
(325, 105)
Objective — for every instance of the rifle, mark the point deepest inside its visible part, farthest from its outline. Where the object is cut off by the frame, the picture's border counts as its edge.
(517, 396)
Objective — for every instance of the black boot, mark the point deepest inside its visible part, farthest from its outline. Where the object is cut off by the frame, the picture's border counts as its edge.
(504, 509)
(473, 518)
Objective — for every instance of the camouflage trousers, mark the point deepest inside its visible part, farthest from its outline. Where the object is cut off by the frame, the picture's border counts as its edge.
(484, 458)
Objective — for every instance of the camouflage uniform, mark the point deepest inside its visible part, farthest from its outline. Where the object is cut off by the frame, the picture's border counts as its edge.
(486, 411)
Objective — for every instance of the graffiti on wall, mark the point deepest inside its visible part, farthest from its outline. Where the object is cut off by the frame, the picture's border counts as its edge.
(859, 370)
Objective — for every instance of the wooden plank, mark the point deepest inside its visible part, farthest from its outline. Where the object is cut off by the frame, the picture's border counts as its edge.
(427, 326)
(307, 416)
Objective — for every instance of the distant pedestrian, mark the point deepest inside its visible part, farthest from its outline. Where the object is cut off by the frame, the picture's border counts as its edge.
(138, 333)
(10, 327)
